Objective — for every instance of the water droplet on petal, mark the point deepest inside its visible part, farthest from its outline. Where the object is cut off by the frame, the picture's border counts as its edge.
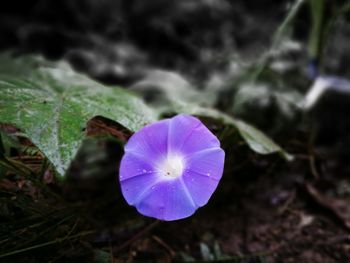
(144, 171)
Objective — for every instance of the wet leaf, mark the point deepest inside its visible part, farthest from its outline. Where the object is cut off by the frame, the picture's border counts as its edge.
(52, 104)
(255, 138)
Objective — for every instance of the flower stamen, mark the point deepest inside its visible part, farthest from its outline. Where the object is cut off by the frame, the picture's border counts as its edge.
(172, 166)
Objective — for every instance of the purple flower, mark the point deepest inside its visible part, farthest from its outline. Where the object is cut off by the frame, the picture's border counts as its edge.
(171, 167)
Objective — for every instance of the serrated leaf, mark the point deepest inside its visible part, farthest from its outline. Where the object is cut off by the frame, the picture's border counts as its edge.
(51, 104)
(255, 138)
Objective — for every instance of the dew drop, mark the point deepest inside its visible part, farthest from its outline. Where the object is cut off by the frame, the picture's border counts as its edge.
(208, 174)
(152, 187)
(144, 171)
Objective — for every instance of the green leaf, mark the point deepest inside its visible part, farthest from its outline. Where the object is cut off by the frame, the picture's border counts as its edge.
(258, 141)
(51, 104)
(255, 139)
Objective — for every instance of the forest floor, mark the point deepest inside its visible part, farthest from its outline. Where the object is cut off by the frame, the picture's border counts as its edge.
(264, 210)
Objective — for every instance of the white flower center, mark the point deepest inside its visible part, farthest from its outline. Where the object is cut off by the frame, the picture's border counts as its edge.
(172, 166)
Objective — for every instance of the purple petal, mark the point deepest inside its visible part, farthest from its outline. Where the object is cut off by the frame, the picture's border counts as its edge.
(209, 162)
(133, 165)
(203, 173)
(135, 188)
(201, 187)
(151, 142)
(167, 200)
(188, 135)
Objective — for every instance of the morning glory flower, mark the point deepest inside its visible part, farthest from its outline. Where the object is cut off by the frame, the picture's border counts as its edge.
(171, 167)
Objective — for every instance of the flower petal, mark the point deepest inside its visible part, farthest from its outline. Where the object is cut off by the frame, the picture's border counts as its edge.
(188, 135)
(132, 165)
(200, 187)
(136, 187)
(209, 162)
(150, 142)
(167, 200)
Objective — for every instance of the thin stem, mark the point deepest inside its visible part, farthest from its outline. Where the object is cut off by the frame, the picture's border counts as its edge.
(317, 8)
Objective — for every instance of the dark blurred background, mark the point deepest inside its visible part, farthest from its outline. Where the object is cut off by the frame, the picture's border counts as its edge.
(119, 41)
